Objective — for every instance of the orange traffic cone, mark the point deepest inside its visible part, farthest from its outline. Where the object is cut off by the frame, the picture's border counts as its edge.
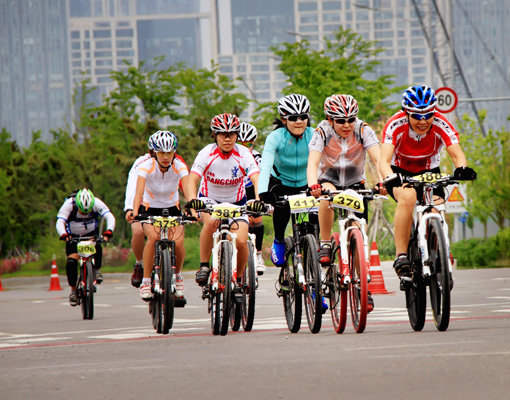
(376, 285)
(54, 282)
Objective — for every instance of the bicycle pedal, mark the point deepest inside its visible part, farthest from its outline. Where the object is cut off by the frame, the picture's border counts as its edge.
(180, 302)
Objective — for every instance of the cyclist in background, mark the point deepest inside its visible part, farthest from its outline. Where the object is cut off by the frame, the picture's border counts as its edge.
(411, 143)
(137, 233)
(337, 161)
(220, 168)
(157, 193)
(79, 216)
(247, 136)
(283, 165)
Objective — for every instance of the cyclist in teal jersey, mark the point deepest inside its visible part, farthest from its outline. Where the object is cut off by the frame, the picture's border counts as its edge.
(283, 165)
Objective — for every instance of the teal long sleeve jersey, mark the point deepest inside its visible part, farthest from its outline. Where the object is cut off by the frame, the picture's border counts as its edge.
(285, 157)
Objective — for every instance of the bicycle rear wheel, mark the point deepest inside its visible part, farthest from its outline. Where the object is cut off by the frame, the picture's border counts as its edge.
(415, 291)
(292, 295)
(313, 289)
(167, 297)
(221, 301)
(249, 285)
(358, 287)
(87, 300)
(440, 275)
(337, 294)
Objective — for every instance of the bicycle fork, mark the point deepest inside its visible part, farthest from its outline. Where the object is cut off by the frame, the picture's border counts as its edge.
(218, 238)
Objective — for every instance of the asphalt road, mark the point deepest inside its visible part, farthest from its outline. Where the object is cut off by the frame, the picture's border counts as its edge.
(48, 351)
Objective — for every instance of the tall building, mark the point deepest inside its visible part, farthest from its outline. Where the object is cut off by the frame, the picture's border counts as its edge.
(35, 89)
(48, 46)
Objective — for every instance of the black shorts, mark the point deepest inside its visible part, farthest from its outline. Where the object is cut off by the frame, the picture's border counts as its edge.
(358, 185)
(157, 212)
(419, 192)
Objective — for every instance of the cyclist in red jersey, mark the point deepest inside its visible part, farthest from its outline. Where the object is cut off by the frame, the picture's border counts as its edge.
(411, 143)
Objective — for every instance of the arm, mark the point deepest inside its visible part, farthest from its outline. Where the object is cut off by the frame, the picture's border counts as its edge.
(313, 167)
(186, 188)
(386, 153)
(457, 155)
(374, 153)
(255, 180)
(140, 187)
(192, 183)
(267, 163)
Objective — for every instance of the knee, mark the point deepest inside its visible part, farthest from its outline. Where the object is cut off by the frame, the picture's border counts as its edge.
(72, 264)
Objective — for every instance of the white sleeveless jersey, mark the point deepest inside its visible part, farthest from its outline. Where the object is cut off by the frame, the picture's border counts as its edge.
(162, 189)
(223, 174)
(132, 178)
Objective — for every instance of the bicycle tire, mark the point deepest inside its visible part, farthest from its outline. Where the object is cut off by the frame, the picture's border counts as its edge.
(313, 290)
(235, 316)
(292, 296)
(337, 294)
(415, 291)
(168, 296)
(439, 289)
(220, 313)
(249, 286)
(358, 287)
(87, 301)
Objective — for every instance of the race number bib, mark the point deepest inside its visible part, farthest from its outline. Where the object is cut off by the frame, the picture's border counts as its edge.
(86, 248)
(166, 222)
(223, 211)
(349, 200)
(430, 177)
(301, 203)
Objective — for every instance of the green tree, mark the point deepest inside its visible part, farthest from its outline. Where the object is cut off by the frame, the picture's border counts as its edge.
(346, 65)
(489, 195)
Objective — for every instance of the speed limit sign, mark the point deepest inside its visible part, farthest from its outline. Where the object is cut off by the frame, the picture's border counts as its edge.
(446, 99)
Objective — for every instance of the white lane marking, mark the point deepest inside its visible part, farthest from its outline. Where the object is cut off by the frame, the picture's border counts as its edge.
(421, 355)
(397, 346)
(500, 297)
(41, 339)
(38, 301)
(503, 311)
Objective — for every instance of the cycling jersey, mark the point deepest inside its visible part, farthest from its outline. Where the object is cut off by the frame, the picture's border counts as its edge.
(285, 157)
(223, 174)
(258, 157)
(69, 220)
(162, 188)
(132, 179)
(343, 159)
(413, 152)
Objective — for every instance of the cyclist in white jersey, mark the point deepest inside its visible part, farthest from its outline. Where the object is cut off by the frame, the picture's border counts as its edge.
(79, 216)
(137, 233)
(221, 167)
(157, 192)
(247, 136)
(337, 161)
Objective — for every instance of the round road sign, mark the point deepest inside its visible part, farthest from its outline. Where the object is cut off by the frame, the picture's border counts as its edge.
(446, 99)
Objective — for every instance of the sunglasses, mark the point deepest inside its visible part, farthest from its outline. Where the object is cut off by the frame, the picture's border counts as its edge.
(294, 118)
(342, 121)
(227, 134)
(246, 144)
(419, 117)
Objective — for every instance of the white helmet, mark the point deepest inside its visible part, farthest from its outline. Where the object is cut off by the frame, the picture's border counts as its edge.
(164, 141)
(247, 133)
(293, 104)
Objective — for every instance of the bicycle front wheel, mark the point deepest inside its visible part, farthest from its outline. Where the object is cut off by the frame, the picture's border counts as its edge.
(168, 296)
(337, 294)
(440, 275)
(87, 301)
(221, 301)
(249, 286)
(291, 292)
(416, 301)
(313, 290)
(358, 287)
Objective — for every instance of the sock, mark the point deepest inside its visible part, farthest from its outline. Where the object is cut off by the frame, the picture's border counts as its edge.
(146, 280)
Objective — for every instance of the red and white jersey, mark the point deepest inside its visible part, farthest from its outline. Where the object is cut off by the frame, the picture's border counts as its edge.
(162, 189)
(223, 174)
(413, 152)
(132, 178)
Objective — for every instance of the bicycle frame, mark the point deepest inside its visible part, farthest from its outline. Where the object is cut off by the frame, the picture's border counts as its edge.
(223, 234)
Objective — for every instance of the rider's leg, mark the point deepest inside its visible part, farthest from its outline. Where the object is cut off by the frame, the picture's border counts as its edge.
(148, 250)
(406, 200)
(180, 251)
(72, 270)
(206, 242)
(326, 217)
(241, 230)
(137, 240)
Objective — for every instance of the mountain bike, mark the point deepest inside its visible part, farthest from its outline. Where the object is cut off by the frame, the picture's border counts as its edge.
(223, 284)
(429, 254)
(351, 275)
(300, 276)
(86, 283)
(163, 302)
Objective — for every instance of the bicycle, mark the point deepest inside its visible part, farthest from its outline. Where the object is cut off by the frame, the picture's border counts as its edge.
(223, 284)
(429, 254)
(86, 283)
(351, 275)
(163, 301)
(301, 275)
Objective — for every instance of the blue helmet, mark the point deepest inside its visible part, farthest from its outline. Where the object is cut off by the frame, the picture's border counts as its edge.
(419, 98)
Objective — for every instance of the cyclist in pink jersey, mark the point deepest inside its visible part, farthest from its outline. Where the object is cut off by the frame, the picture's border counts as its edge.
(221, 167)
(411, 143)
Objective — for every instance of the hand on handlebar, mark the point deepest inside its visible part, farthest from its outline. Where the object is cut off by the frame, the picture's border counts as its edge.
(65, 237)
(256, 206)
(464, 174)
(380, 189)
(315, 190)
(392, 181)
(195, 204)
(107, 235)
